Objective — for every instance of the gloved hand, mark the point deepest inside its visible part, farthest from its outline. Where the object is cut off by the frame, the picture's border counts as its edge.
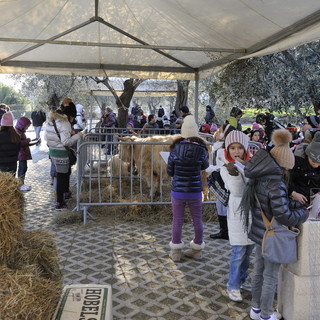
(232, 169)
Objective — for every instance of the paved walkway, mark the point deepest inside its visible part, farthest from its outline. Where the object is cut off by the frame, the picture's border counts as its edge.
(133, 258)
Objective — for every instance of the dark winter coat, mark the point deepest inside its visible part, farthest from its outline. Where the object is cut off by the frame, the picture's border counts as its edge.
(303, 177)
(8, 152)
(38, 117)
(186, 160)
(272, 193)
(210, 114)
(109, 120)
(24, 153)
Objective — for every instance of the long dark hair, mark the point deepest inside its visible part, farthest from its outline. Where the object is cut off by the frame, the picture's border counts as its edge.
(14, 137)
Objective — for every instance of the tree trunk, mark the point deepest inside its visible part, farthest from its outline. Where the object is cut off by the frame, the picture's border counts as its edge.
(53, 102)
(182, 94)
(123, 102)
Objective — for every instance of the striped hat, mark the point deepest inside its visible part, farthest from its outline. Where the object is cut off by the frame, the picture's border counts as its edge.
(236, 136)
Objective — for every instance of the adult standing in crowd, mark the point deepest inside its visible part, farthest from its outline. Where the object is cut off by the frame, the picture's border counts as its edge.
(305, 175)
(210, 114)
(151, 127)
(108, 122)
(9, 145)
(80, 120)
(68, 104)
(38, 118)
(58, 135)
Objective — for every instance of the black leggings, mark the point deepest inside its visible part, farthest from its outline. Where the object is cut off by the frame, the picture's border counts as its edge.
(63, 181)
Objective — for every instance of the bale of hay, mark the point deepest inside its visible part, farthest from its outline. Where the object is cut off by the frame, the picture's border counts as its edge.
(12, 207)
(24, 296)
(37, 248)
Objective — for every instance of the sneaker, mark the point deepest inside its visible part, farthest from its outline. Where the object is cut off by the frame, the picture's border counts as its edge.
(235, 295)
(61, 206)
(246, 285)
(255, 313)
(274, 316)
(24, 188)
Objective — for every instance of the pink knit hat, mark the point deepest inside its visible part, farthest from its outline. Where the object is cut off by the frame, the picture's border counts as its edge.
(7, 120)
(236, 136)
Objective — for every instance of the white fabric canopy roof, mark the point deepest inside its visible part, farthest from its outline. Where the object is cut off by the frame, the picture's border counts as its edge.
(160, 39)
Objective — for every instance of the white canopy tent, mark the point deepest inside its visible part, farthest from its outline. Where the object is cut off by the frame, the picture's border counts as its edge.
(158, 39)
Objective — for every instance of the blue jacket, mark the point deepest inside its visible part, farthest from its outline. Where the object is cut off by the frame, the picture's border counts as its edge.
(272, 194)
(186, 160)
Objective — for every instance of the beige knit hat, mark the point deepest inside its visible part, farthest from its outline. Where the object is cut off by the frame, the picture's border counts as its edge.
(281, 151)
(189, 127)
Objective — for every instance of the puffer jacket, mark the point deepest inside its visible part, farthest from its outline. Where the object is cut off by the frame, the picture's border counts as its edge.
(303, 177)
(8, 151)
(272, 193)
(64, 128)
(186, 160)
(24, 152)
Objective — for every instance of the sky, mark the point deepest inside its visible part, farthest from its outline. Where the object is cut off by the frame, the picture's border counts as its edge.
(5, 79)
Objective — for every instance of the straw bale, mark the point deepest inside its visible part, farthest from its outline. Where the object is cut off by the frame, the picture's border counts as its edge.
(24, 296)
(12, 207)
(37, 248)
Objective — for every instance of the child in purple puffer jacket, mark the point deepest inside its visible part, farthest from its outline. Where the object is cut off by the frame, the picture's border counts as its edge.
(21, 127)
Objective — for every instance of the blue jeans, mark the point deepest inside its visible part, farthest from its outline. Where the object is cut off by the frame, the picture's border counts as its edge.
(178, 208)
(23, 167)
(37, 130)
(239, 264)
(264, 283)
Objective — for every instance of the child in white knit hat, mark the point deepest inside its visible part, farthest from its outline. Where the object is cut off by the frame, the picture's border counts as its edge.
(236, 148)
(187, 159)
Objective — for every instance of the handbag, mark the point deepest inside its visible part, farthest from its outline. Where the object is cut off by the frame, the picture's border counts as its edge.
(72, 154)
(279, 243)
(216, 186)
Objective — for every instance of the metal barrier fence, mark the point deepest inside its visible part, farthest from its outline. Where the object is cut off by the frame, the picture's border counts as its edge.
(122, 172)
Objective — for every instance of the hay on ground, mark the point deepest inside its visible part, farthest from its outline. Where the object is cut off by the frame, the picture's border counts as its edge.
(24, 296)
(12, 207)
(37, 248)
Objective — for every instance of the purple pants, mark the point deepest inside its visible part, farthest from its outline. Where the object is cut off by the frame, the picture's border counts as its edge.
(178, 209)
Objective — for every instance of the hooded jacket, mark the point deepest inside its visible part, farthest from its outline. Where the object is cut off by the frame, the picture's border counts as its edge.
(80, 124)
(186, 160)
(272, 193)
(64, 129)
(303, 177)
(24, 152)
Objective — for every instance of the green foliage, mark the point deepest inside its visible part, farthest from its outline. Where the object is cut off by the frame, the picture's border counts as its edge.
(9, 96)
(286, 82)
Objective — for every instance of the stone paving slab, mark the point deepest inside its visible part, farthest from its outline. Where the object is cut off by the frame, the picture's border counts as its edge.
(133, 258)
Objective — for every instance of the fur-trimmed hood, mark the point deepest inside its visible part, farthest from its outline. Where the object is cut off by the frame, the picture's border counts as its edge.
(57, 116)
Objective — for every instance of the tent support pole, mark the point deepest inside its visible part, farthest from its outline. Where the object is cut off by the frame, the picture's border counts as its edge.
(196, 97)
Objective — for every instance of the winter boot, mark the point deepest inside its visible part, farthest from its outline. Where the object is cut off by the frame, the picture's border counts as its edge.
(175, 253)
(195, 251)
(223, 233)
